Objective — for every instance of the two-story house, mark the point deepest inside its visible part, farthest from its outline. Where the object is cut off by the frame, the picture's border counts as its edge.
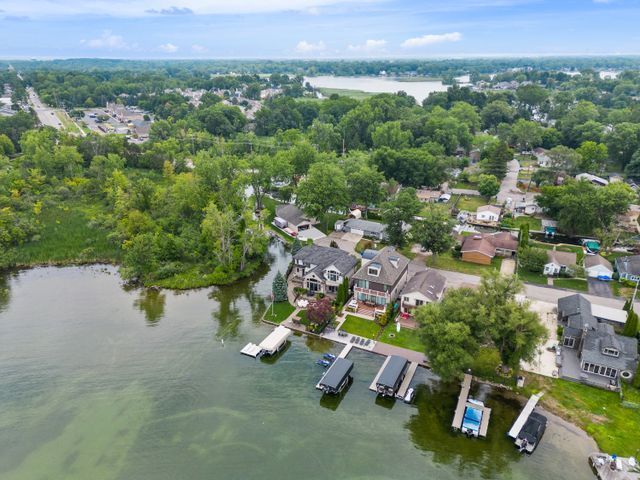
(380, 281)
(424, 287)
(592, 352)
(322, 269)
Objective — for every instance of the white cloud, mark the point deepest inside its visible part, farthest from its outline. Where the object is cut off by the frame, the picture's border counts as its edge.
(107, 41)
(168, 48)
(198, 48)
(172, 10)
(426, 40)
(368, 46)
(307, 47)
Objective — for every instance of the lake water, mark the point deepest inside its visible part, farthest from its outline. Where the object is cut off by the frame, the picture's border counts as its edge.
(100, 382)
(419, 90)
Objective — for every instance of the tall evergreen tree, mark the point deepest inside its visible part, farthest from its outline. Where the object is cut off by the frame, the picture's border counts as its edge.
(279, 288)
(631, 325)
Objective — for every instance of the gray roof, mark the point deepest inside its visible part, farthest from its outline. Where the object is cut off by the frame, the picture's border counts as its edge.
(577, 310)
(593, 260)
(324, 257)
(392, 371)
(366, 225)
(428, 282)
(603, 336)
(629, 265)
(291, 214)
(562, 258)
(336, 374)
(369, 253)
(389, 273)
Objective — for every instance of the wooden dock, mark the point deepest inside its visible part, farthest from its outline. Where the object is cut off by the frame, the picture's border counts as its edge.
(524, 415)
(484, 423)
(404, 386)
(372, 387)
(462, 402)
(345, 351)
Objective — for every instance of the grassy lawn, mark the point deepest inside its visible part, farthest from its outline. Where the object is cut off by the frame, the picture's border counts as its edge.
(363, 244)
(470, 202)
(445, 261)
(621, 290)
(598, 412)
(534, 223)
(361, 326)
(357, 94)
(67, 238)
(571, 283)
(406, 251)
(531, 277)
(445, 207)
(66, 121)
(542, 245)
(328, 222)
(280, 312)
(406, 338)
(465, 185)
(613, 255)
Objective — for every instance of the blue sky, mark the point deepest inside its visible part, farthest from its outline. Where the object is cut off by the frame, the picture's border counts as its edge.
(316, 28)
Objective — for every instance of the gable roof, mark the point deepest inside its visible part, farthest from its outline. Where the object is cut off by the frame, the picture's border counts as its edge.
(562, 258)
(489, 208)
(365, 225)
(389, 273)
(486, 244)
(324, 257)
(629, 265)
(427, 282)
(603, 336)
(292, 214)
(594, 260)
(577, 310)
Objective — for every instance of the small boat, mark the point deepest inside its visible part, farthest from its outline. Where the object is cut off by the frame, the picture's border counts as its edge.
(531, 433)
(329, 356)
(324, 363)
(408, 398)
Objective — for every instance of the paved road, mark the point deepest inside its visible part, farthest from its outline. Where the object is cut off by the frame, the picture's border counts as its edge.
(46, 115)
(509, 186)
(600, 288)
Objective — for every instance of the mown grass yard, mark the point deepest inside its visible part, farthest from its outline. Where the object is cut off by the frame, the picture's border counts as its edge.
(361, 327)
(446, 261)
(471, 203)
(279, 313)
(406, 338)
(67, 237)
(600, 413)
(531, 277)
(534, 223)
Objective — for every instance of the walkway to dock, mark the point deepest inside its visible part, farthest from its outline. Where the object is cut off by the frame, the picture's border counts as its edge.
(411, 355)
(462, 402)
(345, 351)
(411, 371)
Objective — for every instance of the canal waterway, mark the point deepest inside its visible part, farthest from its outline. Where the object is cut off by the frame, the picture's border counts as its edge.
(98, 381)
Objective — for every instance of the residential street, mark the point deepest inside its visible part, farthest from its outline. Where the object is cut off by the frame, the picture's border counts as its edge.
(46, 115)
(509, 186)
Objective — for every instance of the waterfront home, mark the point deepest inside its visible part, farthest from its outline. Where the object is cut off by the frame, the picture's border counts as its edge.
(488, 213)
(628, 268)
(427, 286)
(560, 263)
(596, 266)
(290, 217)
(380, 281)
(592, 352)
(322, 269)
(358, 226)
(482, 248)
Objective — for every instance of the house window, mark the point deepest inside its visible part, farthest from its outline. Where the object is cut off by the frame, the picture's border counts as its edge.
(373, 271)
(407, 299)
(569, 342)
(331, 288)
(600, 370)
(612, 352)
(419, 302)
(333, 276)
(363, 283)
(313, 286)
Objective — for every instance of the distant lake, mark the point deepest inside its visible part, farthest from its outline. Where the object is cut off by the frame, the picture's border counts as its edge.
(418, 89)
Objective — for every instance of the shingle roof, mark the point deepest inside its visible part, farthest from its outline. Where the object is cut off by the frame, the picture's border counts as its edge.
(366, 225)
(389, 273)
(593, 260)
(291, 214)
(478, 243)
(324, 257)
(630, 264)
(562, 258)
(392, 371)
(340, 368)
(603, 336)
(428, 282)
(489, 208)
(577, 310)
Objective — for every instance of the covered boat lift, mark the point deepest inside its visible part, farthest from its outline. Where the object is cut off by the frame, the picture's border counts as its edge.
(391, 375)
(336, 377)
(471, 416)
(270, 345)
(524, 415)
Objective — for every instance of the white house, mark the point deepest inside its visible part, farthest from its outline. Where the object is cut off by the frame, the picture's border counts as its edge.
(596, 266)
(488, 213)
(559, 262)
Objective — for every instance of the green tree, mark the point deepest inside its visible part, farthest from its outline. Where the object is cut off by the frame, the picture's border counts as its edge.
(391, 134)
(323, 190)
(295, 246)
(433, 232)
(532, 259)
(496, 158)
(6, 145)
(564, 159)
(631, 325)
(399, 212)
(526, 134)
(593, 156)
(623, 141)
(488, 185)
(497, 112)
(279, 288)
(523, 236)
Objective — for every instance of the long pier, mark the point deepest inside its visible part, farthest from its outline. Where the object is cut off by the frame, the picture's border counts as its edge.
(524, 415)
(372, 387)
(404, 386)
(345, 351)
(462, 402)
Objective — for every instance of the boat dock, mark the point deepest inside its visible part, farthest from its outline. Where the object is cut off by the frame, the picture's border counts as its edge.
(270, 345)
(524, 415)
(373, 387)
(610, 467)
(345, 351)
(471, 416)
(411, 371)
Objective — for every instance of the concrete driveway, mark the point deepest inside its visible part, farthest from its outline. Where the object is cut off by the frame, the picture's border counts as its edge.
(600, 288)
(509, 185)
(508, 266)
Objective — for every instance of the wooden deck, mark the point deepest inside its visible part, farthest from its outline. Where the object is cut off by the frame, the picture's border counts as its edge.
(372, 387)
(462, 402)
(345, 351)
(404, 386)
(484, 423)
